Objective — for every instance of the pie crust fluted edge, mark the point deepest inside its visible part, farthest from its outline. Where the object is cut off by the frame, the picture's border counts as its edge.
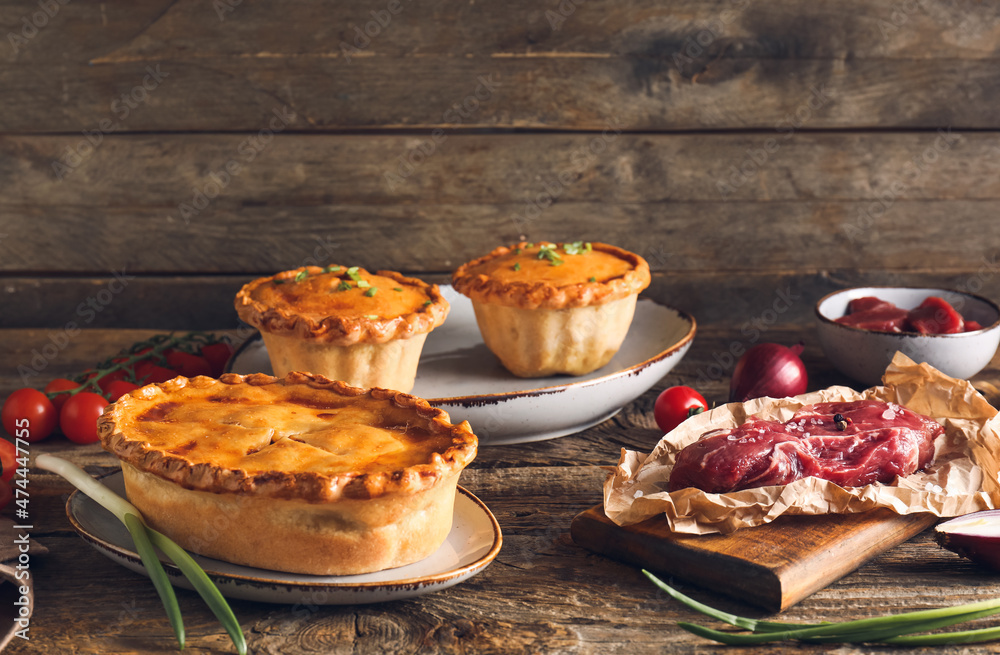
(306, 486)
(541, 295)
(339, 330)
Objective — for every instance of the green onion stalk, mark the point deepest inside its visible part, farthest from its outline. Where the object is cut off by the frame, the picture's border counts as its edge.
(147, 540)
(897, 629)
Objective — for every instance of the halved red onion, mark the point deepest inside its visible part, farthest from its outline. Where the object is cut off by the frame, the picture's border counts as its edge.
(975, 536)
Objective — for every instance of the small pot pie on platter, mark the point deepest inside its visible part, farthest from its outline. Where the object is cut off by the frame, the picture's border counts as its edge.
(301, 474)
(547, 308)
(366, 329)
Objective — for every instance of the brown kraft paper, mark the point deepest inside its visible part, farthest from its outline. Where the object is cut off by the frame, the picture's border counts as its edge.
(963, 477)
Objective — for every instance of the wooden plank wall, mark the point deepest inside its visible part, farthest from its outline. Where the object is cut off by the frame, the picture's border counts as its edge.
(155, 155)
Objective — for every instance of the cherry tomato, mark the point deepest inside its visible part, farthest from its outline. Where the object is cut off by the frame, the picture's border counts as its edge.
(217, 355)
(141, 353)
(119, 388)
(60, 384)
(28, 414)
(142, 368)
(149, 373)
(187, 364)
(8, 459)
(105, 382)
(121, 360)
(78, 418)
(675, 405)
(6, 494)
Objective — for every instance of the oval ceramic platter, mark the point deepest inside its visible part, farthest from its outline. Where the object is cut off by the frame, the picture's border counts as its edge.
(473, 543)
(459, 374)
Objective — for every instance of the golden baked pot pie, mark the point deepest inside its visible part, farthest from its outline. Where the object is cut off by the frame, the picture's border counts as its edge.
(546, 308)
(366, 329)
(301, 474)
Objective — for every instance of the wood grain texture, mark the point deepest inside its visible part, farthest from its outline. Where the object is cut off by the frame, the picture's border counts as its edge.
(739, 30)
(773, 566)
(820, 203)
(567, 601)
(785, 200)
(955, 236)
(749, 303)
(852, 92)
(668, 67)
(573, 92)
(162, 171)
(544, 594)
(167, 303)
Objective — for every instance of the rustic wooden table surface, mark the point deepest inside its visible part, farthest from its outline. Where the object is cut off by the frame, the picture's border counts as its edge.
(543, 594)
(156, 155)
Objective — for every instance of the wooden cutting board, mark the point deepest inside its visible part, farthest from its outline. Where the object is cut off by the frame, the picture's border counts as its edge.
(773, 566)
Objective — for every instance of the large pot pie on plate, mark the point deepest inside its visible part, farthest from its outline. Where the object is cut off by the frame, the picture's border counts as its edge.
(300, 474)
(472, 544)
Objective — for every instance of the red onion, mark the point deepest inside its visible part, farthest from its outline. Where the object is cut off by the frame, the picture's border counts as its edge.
(976, 536)
(769, 369)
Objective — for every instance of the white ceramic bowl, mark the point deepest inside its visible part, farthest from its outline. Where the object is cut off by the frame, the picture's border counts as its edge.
(863, 355)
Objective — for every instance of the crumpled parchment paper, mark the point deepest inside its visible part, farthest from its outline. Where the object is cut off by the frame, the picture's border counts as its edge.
(963, 477)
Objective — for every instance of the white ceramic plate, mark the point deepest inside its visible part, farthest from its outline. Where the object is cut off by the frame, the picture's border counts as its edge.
(473, 543)
(459, 374)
